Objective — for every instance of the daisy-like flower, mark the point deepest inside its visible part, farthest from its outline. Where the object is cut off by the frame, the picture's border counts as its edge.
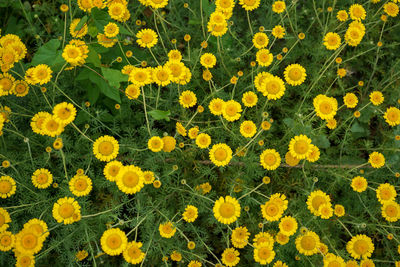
(147, 38)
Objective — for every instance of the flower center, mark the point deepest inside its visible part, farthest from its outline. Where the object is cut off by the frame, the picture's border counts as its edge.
(360, 247)
(220, 154)
(5, 187)
(325, 107)
(106, 148)
(29, 241)
(66, 210)
(270, 159)
(308, 243)
(130, 179)
(227, 210)
(114, 241)
(301, 147)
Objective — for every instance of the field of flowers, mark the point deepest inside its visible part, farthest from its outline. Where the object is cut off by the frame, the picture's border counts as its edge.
(199, 133)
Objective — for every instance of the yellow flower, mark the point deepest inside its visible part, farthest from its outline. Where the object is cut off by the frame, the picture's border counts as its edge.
(28, 242)
(7, 82)
(81, 255)
(231, 110)
(295, 74)
(376, 98)
(350, 100)
(339, 210)
(187, 99)
(147, 38)
(263, 238)
(224, 5)
(314, 154)
(64, 113)
(260, 40)
(376, 159)
(105, 148)
(392, 116)
(105, 41)
(240, 237)
(38, 227)
(359, 184)
(216, 106)
(360, 246)
(190, 214)
(391, 211)
(270, 159)
(325, 107)
(325, 211)
(248, 129)
(21, 88)
(385, 192)
(180, 129)
(300, 146)
(140, 76)
(290, 160)
(203, 140)
(226, 210)
(333, 260)
(41, 74)
(264, 254)
(162, 75)
(391, 9)
(111, 30)
(130, 179)
(230, 257)
(78, 33)
(112, 169)
(174, 55)
(42, 178)
(80, 185)
(66, 210)
(8, 187)
(7, 240)
(249, 99)
(167, 230)
(132, 91)
(220, 154)
(308, 243)
(4, 219)
(114, 241)
(51, 127)
(273, 209)
(208, 60)
(117, 11)
(133, 254)
(357, 12)
(249, 5)
(157, 3)
(332, 41)
(354, 33)
(169, 143)
(273, 87)
(315, 200)
(194, 264)
(155, 144)
(279, 32)
(264, 57)
(342, 15)
(278, 6)
(288, 225)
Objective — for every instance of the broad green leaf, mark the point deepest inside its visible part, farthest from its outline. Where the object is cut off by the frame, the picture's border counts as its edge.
(48, 54)
(160, 114)
(93, 57)
(357, 128)
(81, 23)
(105, 88)
(321, 141)
(114, 77)
(93, 93)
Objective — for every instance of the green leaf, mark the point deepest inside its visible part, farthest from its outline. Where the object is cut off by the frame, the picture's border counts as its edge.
(160, 114)
(81, 23)
(105, 88)
(93, 93)
(289, 122)
(357, 128)
(93, 57)
(321, 141)
(48, 54)
(114, 77)
(100, 18)
(93, 31)
(207, 7)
